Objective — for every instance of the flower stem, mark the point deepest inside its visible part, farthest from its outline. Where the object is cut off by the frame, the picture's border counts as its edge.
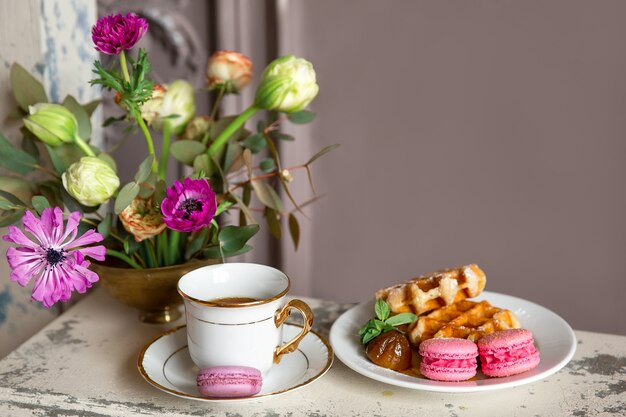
(124, 67)
(123, 257)
(83, 146)
(216, 104)
(137, 115)
(230, 129)
(173, 249)
(165, 149)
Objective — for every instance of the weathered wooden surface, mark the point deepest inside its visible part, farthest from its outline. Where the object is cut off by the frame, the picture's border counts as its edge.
(84, 363)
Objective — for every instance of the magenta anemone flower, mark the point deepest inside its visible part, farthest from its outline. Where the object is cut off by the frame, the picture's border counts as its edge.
(55, 258)
(189, 206)
(116, 33)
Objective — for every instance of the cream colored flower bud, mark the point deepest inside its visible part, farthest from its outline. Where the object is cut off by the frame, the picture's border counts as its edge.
(229, 70)
(53, 124)
(196, 128)
(91, 181)
(288, 85)
(142, 219)
(151, 108)
(178, 106)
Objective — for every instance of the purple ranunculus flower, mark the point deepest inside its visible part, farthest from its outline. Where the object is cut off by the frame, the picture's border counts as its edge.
(116, 33)
(189, 206)
(55, 258)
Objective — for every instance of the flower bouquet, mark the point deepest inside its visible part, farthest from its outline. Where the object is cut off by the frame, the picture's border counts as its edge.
(72, 205)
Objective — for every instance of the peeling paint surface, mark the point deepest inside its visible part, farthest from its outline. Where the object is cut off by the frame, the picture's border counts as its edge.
(84, 364)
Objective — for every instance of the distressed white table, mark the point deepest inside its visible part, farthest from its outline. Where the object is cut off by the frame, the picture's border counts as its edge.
(84, 364)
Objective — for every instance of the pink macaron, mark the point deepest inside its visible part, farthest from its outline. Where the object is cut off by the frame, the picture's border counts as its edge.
(507, 352)
(448, 359)
(229, 381)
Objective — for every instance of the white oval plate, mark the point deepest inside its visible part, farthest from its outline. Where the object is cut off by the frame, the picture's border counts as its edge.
(165, 363)
(554, 338)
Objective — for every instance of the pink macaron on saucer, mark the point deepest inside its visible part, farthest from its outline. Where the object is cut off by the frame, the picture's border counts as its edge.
(507, 352)
(229, 381)
(448, 359)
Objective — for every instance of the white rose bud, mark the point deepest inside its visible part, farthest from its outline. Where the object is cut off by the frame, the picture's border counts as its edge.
(91, 181)
(229, 70)
(288, 85)
(178, 106)
(150, 108)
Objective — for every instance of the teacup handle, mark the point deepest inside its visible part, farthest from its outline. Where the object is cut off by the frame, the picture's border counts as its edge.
(279, 319)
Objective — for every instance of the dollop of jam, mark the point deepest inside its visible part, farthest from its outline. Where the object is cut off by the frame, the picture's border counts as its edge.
(390, 350)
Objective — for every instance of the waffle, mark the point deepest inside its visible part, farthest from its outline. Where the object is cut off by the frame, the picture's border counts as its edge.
(465, 319)
(434, 290)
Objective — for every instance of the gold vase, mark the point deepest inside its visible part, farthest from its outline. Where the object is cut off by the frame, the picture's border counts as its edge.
(151, 290)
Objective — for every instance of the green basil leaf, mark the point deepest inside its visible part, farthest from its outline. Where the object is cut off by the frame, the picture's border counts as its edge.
(382, 309)
(402, 318)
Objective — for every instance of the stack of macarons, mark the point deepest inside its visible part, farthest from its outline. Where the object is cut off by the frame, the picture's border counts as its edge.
(229, 381)
(503, 353)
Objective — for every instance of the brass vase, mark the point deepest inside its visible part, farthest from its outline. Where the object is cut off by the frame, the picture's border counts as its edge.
(151, 290)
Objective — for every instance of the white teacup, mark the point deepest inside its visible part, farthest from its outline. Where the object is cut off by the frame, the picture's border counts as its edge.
(235, 313)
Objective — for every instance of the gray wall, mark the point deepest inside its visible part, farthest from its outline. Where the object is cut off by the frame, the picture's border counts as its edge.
(472, 131)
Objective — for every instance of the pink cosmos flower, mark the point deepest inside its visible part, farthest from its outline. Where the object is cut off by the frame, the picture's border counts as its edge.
(116, 33)
(55, 258)
(189, 206)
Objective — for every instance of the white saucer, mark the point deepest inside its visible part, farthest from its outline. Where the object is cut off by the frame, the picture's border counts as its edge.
(554, 338)
(165, 363)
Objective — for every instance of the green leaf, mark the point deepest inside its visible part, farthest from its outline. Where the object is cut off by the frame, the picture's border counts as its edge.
(26, 88)
(108, 159)
(213, 252)
(233, 238)
(12, 198)
(160, 192)
(244, 208)
(7, 205)
(267, 195)
(202, 163)
(232, 159)
(40, 203)
(255, 143)
(91, 106)
(15, 159)
(57, 162)
(110, 120)
(126, 196)
(29, 145)
(11, 217)
(222, 207)
(294, 230)
(277, 135)
(104, 227)
(70, 203)
(321, 153)
(69, 153)
(195, 245)
(81, 115)
(147, 187)
(267, 165)
(273, 223)
(382, 309)
(186, 151)
(145, 168)
(301, 117)
(402, 318)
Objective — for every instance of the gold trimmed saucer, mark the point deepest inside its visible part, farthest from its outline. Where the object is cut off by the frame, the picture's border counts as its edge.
(165, 364)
